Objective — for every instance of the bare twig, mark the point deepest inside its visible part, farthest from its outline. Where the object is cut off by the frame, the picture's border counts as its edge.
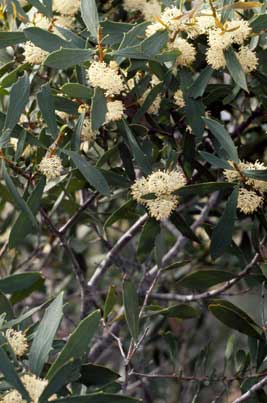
(246, 396)
(121, 243)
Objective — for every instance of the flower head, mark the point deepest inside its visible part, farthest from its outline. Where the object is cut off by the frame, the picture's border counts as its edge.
(215, 57)
(33, 54)
(51, 167)
(162, 184)
(151, 9)
(66, 7)
(133, 5)
(237, 175)
(115, 111)
(248, 59)
(17, 341)
(154, 107)
(106, 77)
(249, 201)
(87, 134)
(188, 51)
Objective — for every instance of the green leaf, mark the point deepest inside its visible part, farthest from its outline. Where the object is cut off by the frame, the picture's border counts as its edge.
(64, 58)
(11, 38)
(90, 173)
(110, 301)
(235, 318)
(47, 108)
(90, 16)
(68, 373)
(223, 138)
(19, 282)
(126, 210)
(131, 306)
(99, 109)
(76, 90)
(5, 307)
(222, 234)
(183, 227)
(203, 279)
(194, 110)
(215, 161)
(44, 8)
(258, 23)
(23, 226)
(147, 238)
(113, 31)
(140, 157)
(201, 189)
(45, 39)
(181, 311)
(78, 343)
(198, 87)
(148, 102)
(11, 376)
(19, 201)
(97, 375)
(152, 45)
(235, 68)
(99, 397)
(260, 174)
(44, 336)
(18, 99)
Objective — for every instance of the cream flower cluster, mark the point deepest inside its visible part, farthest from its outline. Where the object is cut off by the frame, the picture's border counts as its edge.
(51, 167)
(149, 8)
(106, 77)
(249, 200)
(17, 341)
(34, 386)
(66, 7)
(115, 111)
(33, 54)
(162, 184)
(235, 32)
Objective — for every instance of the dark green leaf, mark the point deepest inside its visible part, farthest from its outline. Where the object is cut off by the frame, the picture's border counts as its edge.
(223, 138)
(64, 58)
(138, 153)
(131, 306)
(181, 311)
(19, 201)
(110, 301)
(183, 227)
(11, 38)
(99, 109)
(90, 173)
(47, 108)
(11, 376)
(44, 336)
(23, 226)
(68, 373)
(204, 279)
(258, 23)
(198, 88)
(126, 210)
(18, 99)
(260, 174)
(235, 318)
(45, 39)
(76, 90)
(78, 343)
(235, 68)
(96, 375)
(147, 238)
(202, 189)
(222, 234)
(215, 161)
(90, 16)
(99, 397)
(19, 282)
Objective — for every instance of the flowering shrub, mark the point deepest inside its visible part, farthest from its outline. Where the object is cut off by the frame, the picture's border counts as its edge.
(132, 201)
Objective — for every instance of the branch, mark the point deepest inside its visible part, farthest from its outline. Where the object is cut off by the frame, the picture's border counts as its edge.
(208, 294)
(251, 391)
(121, 243)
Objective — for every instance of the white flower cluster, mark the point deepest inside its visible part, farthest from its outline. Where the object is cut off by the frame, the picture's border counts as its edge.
(66, 7)
(251, 197)
(17, 341)
(33, 54)
(161, 184)
(51, 167)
